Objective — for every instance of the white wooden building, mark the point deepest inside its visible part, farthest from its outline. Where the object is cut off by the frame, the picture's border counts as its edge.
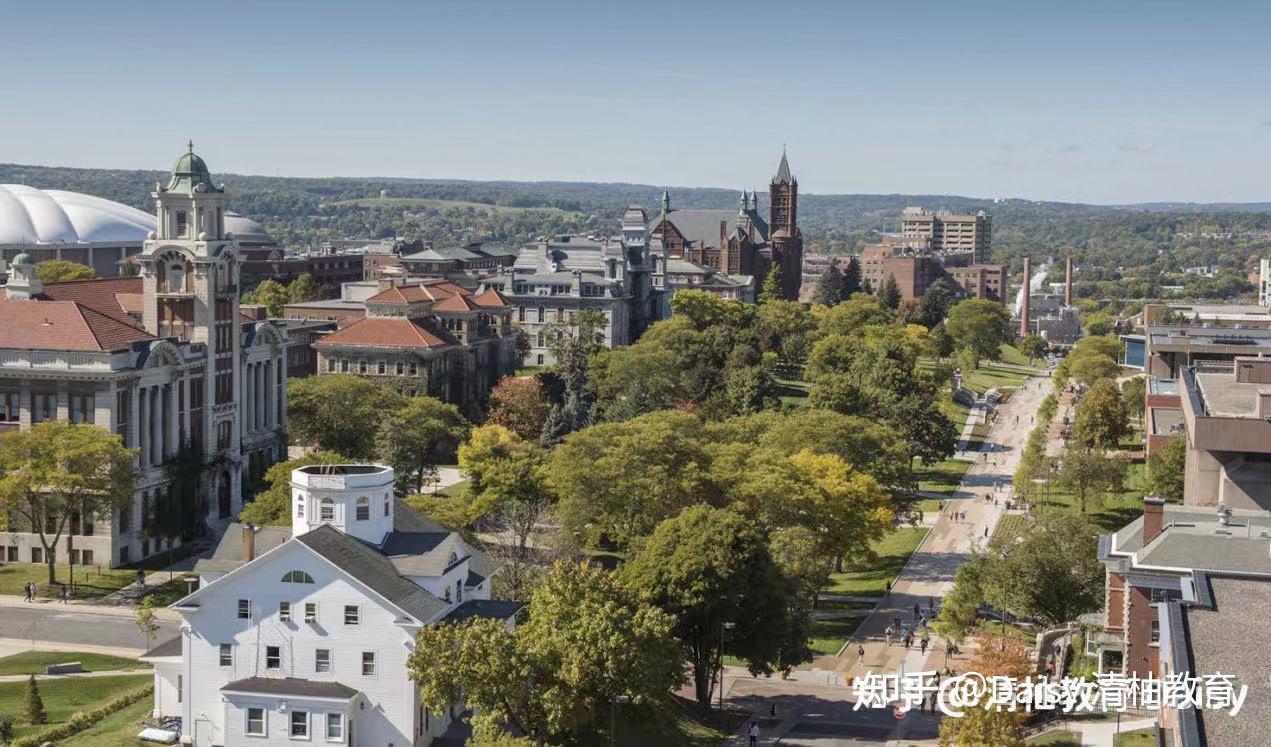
(302, 634)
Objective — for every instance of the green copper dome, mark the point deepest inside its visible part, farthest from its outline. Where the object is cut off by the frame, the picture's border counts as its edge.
(190, 171)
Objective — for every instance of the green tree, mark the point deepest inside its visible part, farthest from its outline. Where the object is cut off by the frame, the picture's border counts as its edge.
(710, 568)
(852, 316)
(302, 290)
(272, 506)
(829, 286)
(773, 285)
(33, 705)
(1034, 346)
(54, 470)
(851, 283)
(984, 724)
(520, 404)
(418, 436)
(619, 480)
(960, 608)
(980, 326)
(1088, 368)
(1167, 467)
(785, 328)
(1101, 419)
(889, 293)
(573, 346)
(865, 444)
(1133, 394)
(272, 295)
(6, 728)
(800, 554)
(146, 621)
(340, 413)
(935, 304)
(1050, 572)
(63, 271)
(587, 640)
(1089, 474)
(503, 468)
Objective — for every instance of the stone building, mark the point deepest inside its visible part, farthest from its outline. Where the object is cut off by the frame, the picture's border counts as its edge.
(165, 360)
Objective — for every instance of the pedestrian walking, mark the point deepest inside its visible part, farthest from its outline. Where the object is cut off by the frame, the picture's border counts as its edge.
(28, 589)
(860, 654)
(986, 530)
(888, 633)
(917, 609)
(772, 710)
(931, 604)
(63, 594)
(754, 734)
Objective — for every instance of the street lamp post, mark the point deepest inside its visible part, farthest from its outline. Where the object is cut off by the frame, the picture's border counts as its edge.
(723, 632)
(613, 715)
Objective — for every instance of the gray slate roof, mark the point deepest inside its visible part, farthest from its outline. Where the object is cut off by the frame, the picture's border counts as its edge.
(702, 226)
(229, 551)
(490, 609)
(170, 647)
(291, 686)
(374, 570)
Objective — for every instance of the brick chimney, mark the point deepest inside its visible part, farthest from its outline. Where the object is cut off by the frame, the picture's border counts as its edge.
(1068, 281)
(1153, 517)
(1028, 290)
(249, 543)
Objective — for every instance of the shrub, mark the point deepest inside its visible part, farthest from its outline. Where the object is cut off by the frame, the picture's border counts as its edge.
(81, 720)
(33, 706)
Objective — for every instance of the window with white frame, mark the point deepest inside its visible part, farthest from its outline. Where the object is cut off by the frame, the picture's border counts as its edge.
(299, 724)
(352, 615)
(386, 500)
(255, 726)
(368, 663)
(244, 609)
(322, 660)
(311, 612)
(227, 655)
(300, 509)
(327, 510)
(335, 727)
(273, 657)
(363, 511)
(284, 611)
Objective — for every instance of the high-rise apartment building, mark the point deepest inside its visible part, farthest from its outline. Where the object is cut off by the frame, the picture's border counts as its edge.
(950, 233)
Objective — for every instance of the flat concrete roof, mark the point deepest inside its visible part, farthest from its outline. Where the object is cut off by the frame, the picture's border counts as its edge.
(1224, 397)
(1162, 386)
(1226, 639)
(1166, 421)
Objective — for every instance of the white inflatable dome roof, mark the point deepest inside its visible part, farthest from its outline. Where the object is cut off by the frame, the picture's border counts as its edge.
(51, 216)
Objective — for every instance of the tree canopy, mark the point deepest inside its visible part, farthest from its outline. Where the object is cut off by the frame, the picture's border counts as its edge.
(981, 327)
(63, 271)
(414, 438)
(340, 413)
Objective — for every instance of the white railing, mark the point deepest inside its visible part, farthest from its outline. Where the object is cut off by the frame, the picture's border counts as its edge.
(57, 361)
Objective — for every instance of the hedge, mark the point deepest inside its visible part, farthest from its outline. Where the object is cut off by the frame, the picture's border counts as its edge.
(81, 720)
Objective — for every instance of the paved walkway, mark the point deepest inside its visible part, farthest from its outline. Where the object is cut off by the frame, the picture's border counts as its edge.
(929, 573)
(75, 675)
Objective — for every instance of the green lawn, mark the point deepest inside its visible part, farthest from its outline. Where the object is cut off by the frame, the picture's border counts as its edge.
(416, 202)
(793, 391)
(170, 591)
(90, 582)
(994, 627)
(119, 729)
(826, 637)
(34, 662)
(941, 477)
(532, 370)
(1057, 739)
(870, 578)
(675, 722)
(1011, 525)
(990, 375)
(1011, 354)
(63, 697)
(1113, 511)
(1140, 738)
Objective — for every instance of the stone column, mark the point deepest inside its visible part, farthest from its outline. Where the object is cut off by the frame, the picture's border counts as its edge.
(259, 373)
(173, 442)
(143, 424)
(24, 404)
(269, 393)
(63, 412)
(134, 416)
(104, 406)
(156, 425)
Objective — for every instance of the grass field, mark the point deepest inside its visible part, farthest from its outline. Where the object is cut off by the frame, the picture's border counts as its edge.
(119, 729)
(675, 722)
(63, 697)
(417, 202)
(1057, 739)
(34, 662)
(1140, 738)
(90, 583)
(870, 578)
(1011, 525)
(941, 477)
(1111, 512)
(793, 392)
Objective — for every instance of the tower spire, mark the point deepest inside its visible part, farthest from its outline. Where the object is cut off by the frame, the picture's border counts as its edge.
(666, 200)
(783, 171)
(190, 146)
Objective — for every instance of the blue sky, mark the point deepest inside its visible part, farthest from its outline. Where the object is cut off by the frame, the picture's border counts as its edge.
(1093, 102)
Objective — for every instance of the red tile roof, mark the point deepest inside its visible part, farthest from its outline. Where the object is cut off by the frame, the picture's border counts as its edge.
(102, 295)
(419, 293)
(63, 325)
(391, 332)
(450, 287)
(491, 299)
(456, 303)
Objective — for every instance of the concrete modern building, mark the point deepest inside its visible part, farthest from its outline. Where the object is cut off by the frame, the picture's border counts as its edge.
(950, 233)
(165, 360)
(302, 633)
(1264, 282)
(1227, 418)
(1169, 349)
(1162, 414)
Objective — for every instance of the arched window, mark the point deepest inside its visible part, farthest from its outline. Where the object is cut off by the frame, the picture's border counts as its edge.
(363, 508)
(451, 560)
(297, 577)
(327, 510)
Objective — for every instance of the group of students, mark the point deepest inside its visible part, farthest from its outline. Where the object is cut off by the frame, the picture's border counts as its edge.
(30, 590)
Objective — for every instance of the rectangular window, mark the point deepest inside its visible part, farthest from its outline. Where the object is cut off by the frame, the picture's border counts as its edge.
(299, 724)
(311, 612)
(351, 614)
(335, 727)
(255, 726)
(244, 609)
(180, 688)
(11, 554)
(284, 611)
(300, 509)
(87, 557)
(368, 663)
(273, 657)
(37, 555)
(227, 655)
(322, 660)
(182, 224)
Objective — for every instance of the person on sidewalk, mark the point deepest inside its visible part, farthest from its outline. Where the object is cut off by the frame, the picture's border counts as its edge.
(62, 595)
(986, 530)
(888, 633)
(860, 654)
(753, 734)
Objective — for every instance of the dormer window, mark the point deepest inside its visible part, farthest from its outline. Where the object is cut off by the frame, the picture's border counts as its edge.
(363, 508)
(451, 560)
(326, 512)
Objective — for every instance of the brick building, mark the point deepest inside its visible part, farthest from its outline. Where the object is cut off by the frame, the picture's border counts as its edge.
(916, 267)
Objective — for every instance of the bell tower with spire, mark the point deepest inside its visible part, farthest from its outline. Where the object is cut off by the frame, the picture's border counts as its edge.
(786, 240)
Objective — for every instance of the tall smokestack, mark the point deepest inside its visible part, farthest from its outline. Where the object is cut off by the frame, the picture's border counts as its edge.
(1028, 290)
(1068, 281)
